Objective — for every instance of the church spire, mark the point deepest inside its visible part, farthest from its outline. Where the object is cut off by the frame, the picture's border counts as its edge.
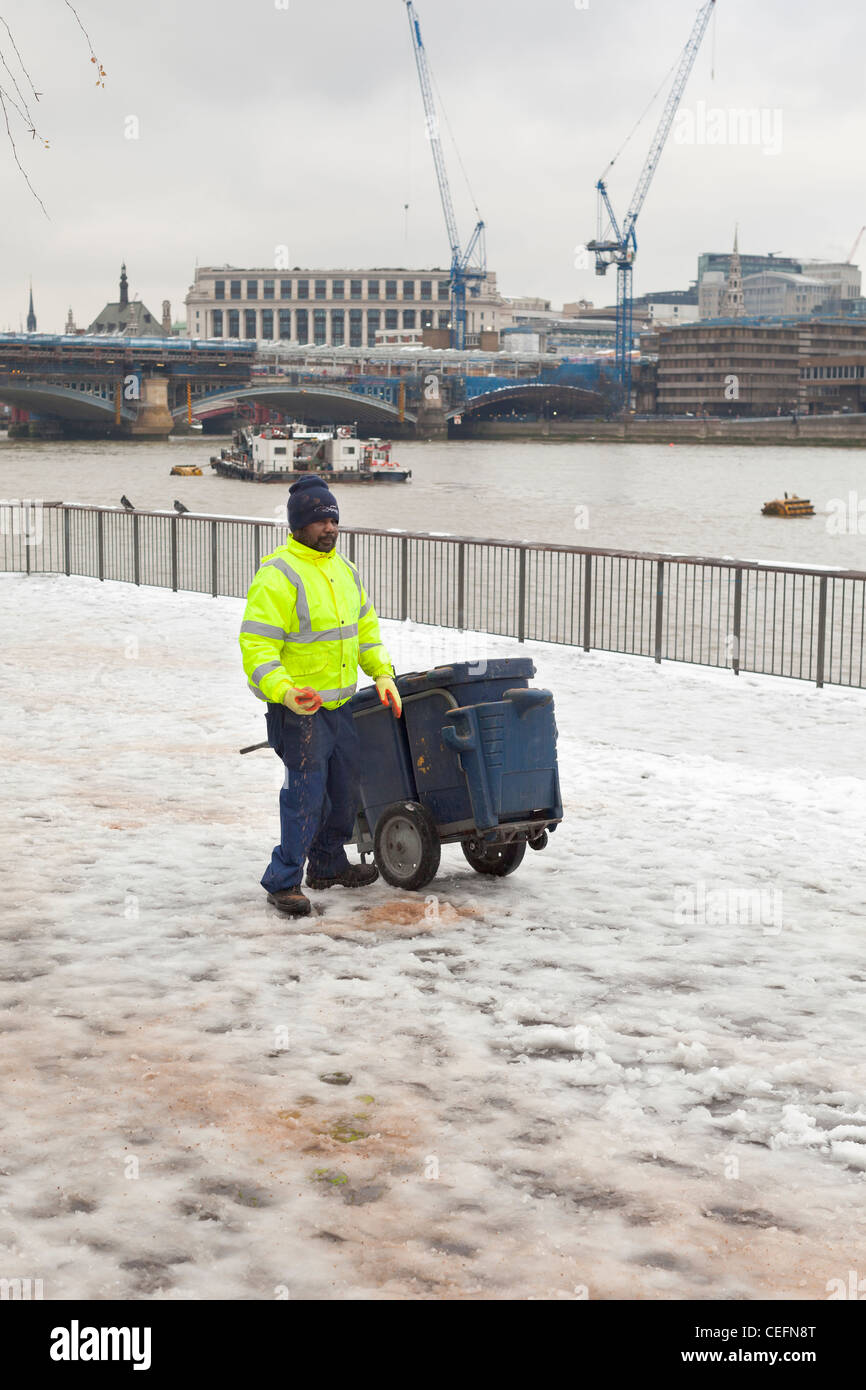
(124, 288)
(31, 317)
(733, 305)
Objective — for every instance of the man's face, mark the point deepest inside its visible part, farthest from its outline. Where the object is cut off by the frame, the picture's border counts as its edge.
(319, 535)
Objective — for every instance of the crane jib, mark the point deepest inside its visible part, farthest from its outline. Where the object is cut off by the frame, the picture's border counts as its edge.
(621, 251)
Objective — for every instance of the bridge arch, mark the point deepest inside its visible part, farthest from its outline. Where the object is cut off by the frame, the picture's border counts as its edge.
(329, 404)
(62, 402)
(535, 395)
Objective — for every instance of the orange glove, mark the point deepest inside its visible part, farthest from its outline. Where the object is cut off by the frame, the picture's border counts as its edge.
(389, 694)
(303, 701)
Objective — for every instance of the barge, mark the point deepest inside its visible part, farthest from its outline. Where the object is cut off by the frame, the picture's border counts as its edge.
(285, 453)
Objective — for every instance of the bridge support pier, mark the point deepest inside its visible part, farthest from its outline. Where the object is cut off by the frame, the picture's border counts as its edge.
(432, 422)
(154, 419)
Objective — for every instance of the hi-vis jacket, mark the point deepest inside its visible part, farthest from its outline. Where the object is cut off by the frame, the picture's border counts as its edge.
(308, 621)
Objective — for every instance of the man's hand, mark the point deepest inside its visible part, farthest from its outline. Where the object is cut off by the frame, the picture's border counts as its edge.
(303, 701)
(389, 694)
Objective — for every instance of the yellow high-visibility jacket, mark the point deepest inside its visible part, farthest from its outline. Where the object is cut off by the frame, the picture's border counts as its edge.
(308, 621)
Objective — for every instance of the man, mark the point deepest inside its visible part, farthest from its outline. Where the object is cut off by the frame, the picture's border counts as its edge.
(307, 626)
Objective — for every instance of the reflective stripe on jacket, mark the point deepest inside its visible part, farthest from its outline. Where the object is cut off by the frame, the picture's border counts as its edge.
(308, 621)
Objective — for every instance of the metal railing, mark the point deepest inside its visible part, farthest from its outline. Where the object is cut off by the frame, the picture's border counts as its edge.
(783, 620)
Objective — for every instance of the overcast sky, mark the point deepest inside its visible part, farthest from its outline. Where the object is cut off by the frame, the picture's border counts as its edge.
(299, 122)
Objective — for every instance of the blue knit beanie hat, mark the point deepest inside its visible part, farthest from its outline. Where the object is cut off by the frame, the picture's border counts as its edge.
(310, 500)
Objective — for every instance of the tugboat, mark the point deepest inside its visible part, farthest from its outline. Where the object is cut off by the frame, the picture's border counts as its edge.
(284, 453)
(788, 506)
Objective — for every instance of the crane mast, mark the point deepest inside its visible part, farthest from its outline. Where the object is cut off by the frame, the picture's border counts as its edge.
(468, 266)
(621, 247)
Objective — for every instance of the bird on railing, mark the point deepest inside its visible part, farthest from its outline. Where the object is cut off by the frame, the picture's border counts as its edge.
(125, 502)
(179, 507)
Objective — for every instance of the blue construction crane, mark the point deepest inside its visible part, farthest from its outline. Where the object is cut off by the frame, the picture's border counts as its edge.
(469, 266)
(620, 248)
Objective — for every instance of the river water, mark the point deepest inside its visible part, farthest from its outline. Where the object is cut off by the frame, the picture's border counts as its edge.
(685, 499)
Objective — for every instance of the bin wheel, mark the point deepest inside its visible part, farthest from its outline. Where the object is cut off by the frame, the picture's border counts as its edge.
(539, 842)
(498, 860)
(406, 848)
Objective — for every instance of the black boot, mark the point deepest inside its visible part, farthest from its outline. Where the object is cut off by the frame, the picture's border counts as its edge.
(291, 901)
(353, 876)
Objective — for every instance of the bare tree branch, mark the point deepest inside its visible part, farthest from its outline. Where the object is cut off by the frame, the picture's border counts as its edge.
(19, 104)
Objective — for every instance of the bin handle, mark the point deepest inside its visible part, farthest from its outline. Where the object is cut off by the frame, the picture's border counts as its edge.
(525, 700)
(454, 739)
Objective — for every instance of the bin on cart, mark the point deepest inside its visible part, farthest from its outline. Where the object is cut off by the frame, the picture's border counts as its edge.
(473, 759)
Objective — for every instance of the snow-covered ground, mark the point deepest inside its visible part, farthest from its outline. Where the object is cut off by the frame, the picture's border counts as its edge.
(632, 1069)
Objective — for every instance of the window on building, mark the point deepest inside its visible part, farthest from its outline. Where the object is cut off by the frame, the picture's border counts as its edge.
(356, 289)
(426, 289)
(444, 319)
(408, 318)
(338, 289)
(303, 289)
(320, 327)
(252, 289)
(268, 289)
(285, 324)
(373, 321)
(234, 323)
(217, 321)
(302, 322)
(268, 325)
(356, 328)
(249, 323)
(390, 289)
(426, 318)
(285, 289)
(392, 318)
(235, 289)
(444, 289)
(338, 327)
(372, 289)
(219, 289)
(321, 289)
(408, 289)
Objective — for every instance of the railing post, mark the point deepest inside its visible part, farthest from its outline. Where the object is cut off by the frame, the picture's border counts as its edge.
(822, 629)
(24, 529)
(404, 578)
(66, 542)
(257, 547)
(587, 602)
(214, 541)
(100, 544)
(738, 609)
(521, 597)
(136, 550)
(461, 586)
(173, 540)
(660, 593)
(351, 538)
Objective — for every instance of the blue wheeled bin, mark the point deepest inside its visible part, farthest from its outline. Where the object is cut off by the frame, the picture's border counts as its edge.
(473, 760)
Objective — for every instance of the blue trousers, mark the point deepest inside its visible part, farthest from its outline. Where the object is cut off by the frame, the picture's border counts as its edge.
(320, 795)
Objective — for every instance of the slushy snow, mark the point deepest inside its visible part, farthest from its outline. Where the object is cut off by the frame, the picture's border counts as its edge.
(632, 1069)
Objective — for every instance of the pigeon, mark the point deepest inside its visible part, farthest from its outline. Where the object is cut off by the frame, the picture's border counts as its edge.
(179, 507)
(125, 502)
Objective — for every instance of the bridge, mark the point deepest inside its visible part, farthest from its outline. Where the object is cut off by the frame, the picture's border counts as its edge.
(149, 387)
(102, 384)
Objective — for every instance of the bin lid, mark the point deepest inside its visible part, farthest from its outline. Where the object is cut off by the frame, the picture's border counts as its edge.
(467, 673)
(458, 673)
